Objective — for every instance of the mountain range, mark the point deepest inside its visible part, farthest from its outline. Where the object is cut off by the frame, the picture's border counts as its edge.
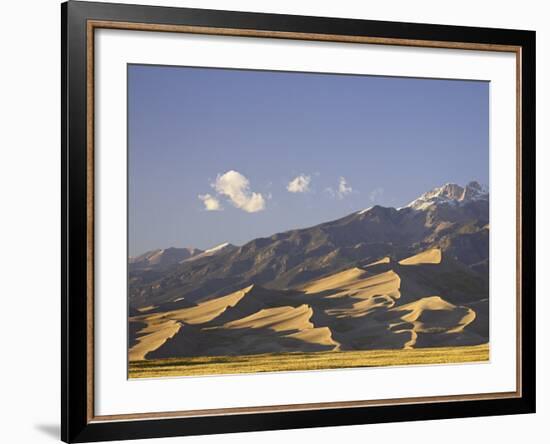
(416, 276)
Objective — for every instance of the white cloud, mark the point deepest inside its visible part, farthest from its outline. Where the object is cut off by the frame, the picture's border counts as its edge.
(344, 188)
(210, 202)
(236, 187)
(299, 184)
(376, 193)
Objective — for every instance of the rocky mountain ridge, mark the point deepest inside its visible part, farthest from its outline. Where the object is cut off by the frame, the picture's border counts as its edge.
(452, 218)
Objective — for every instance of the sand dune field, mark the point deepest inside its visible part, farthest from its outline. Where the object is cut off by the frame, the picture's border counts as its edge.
(387, 313)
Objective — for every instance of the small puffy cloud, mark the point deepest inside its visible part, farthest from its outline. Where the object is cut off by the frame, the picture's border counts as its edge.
(344, 188)
(299, 184)
(236, 188)
(210, 202)
(376, 193)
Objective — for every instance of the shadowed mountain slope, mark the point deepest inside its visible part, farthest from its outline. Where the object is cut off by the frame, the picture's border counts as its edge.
(452, 219)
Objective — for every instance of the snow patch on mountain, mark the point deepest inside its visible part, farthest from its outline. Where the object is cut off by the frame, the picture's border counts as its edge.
(364, 211)
(451, 194)
(216, 248)
(211, 251)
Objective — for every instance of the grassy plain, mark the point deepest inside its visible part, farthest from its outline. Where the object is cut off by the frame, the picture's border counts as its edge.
(218, 365)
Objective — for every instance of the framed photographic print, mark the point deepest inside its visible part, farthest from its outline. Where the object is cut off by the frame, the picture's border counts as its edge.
(275, 221)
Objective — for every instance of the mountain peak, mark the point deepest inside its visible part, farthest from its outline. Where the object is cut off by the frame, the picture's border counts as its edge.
(450, 193)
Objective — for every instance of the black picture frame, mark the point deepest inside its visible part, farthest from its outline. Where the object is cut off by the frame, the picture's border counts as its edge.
(77, 328)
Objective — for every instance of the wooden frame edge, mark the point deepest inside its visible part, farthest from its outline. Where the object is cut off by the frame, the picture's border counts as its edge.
(92, 25)
(90, 222)
(304, 407)
(335, 38)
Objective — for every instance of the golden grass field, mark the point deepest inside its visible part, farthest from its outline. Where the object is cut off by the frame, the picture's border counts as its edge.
(305, 361)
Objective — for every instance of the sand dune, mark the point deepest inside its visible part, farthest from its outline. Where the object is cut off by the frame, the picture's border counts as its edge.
(435, 315)
(354, 309)
(363, 307)
(263, 331)
(384, 260)
(257, 298)
(268, 331)
(277, 319)
(378, 323)
(152, 337)
(321, 336)
(335, 281)
(356, 283)
(206, 311)
(432, 256)
(163, 326)
(412, 341)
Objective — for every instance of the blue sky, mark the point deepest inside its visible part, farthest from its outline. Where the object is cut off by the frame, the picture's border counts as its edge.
(219, 155)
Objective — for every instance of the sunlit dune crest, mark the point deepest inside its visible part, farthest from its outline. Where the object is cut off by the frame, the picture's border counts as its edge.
(337, 280)
(277, 319)
(434, 315)
(320, 335)
(356, 283)
(205, 311)
(432, 256)
(363, 307)
(153, 336)
(384, 260)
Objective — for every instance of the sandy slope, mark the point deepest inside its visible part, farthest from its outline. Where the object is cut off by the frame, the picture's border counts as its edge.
(432, 256)
(356, 283)
(205, 311)
(336, 281)
(384, 260)
(385, 305)
(277, 319)
(161, 327)
(433, 313)
(264, 330)
(152, 337)
(363, 307)
(321, 336)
